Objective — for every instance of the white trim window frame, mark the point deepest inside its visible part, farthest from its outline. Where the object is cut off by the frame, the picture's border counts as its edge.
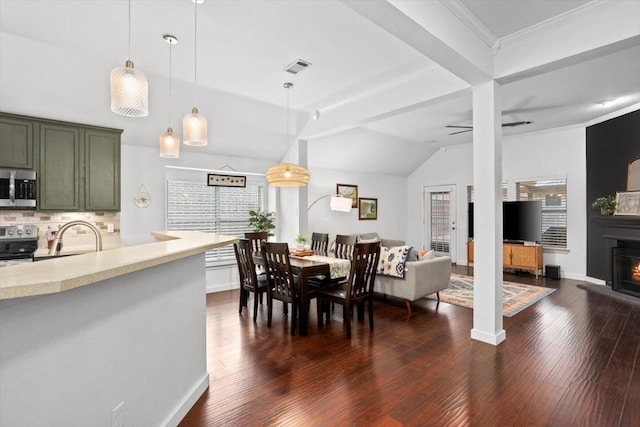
(193, 205)
(552, 192)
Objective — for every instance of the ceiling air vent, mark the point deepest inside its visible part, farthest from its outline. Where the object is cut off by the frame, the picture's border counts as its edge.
(297, 66)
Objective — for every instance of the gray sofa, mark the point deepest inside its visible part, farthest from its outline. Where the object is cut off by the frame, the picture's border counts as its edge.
(422, 277)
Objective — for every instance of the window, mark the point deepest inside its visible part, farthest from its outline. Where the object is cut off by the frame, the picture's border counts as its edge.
(440, 221)
(192, 205)
(553, 194)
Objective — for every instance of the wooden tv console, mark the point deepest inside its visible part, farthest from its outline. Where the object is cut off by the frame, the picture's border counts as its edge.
(516, 256)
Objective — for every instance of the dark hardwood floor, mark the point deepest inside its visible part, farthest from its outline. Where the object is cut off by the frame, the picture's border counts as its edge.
(571, 359)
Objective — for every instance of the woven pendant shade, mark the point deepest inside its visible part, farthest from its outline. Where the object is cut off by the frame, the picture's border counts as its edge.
(287, 175)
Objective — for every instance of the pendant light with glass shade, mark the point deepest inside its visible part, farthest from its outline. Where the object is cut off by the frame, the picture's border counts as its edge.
(169, 141)
(129, 87)
(287, 174)
(194, 125)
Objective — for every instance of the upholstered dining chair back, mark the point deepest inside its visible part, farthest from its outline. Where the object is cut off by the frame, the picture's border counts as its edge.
(281, 284)
(249, 280)
(344, 246)
(320, 243)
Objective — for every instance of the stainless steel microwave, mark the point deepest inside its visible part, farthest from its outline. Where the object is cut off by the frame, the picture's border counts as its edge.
(18, 189)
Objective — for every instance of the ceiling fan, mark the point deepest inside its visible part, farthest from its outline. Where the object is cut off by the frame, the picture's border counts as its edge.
(470, 128)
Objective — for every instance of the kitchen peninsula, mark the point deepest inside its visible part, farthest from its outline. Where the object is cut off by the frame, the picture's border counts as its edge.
(115, 332)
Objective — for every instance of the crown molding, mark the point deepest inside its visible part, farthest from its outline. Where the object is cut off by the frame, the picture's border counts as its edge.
(470, 21)
(556, 21)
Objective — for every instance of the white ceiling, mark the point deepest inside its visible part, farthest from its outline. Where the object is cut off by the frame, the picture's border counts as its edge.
(378, 96)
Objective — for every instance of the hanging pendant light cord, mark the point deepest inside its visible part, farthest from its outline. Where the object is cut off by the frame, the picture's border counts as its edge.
(129, 30)
(195, 54)
(170, 48)
(288, 124)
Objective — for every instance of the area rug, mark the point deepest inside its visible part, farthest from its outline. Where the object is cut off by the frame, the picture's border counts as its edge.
(516, 296)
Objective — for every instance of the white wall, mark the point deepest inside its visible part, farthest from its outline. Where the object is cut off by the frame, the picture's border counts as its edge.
(69, 359)
(143, 166)
(391, 192)
(555, 154)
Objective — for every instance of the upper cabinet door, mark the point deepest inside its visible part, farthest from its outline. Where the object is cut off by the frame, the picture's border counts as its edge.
(16, 142)
(59, 186)
(102, 170)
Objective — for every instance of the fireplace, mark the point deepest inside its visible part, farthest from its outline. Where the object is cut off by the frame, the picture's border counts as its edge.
(625, 266)
(622, 252)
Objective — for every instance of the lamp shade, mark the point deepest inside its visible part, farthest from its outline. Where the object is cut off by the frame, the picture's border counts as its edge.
(339, 203)
(169, 144)
(194, 129)
(129, 91)
(287, 175)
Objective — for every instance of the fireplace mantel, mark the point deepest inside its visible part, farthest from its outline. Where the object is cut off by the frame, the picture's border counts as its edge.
(619, 227)
(617, 221)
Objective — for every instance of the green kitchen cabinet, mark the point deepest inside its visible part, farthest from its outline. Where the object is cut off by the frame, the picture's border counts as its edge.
(101, 170)
(79, 168)
(60, 167)
(16, 142)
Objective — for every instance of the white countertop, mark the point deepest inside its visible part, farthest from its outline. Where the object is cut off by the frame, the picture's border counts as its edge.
(65, 273)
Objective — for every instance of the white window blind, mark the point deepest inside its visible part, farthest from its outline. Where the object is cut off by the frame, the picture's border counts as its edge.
(440, 221)
(192, 205)
(553, 194)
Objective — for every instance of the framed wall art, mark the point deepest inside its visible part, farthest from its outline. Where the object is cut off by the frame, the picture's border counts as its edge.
(348, 191)
(368, 208)
(216, 180)
(627, 203)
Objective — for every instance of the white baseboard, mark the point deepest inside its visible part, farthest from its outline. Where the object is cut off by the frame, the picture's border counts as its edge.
(594, 280)
(221, 287)
(493, 339)
(188, 402)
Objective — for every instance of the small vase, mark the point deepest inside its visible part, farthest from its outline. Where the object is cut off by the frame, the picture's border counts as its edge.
(307, 247)
(300, 246)
(604, 212)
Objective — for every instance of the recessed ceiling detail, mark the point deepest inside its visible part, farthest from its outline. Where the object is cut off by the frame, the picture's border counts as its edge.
(297, 66)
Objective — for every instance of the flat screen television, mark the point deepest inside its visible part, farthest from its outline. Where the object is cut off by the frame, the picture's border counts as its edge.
(521, 221)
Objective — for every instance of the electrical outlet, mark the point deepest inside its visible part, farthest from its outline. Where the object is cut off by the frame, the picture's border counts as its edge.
(117, 416)
(109, 228)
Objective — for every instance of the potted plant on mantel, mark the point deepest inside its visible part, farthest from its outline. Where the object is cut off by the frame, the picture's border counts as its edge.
(606, 204)
(262, 221)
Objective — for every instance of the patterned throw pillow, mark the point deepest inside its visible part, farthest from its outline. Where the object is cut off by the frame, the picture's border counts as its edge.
(392, 261)
(427, 254)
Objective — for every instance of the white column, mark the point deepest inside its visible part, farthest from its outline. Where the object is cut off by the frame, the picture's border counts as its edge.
(487, 182)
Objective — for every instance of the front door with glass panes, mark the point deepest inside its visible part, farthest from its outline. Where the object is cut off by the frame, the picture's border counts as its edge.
(440, 220)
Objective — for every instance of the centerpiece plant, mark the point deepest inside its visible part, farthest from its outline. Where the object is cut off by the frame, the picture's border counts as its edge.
(261, 220)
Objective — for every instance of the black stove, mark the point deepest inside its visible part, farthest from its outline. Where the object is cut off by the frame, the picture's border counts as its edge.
(18, 243)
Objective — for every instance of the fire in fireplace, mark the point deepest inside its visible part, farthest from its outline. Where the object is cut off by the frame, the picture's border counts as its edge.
(626, 270)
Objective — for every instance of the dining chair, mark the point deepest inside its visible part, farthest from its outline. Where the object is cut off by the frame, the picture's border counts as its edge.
(344, 246)
(249, 280)
(256, 237)
(320, 243)
(281, 283)
(356, 289)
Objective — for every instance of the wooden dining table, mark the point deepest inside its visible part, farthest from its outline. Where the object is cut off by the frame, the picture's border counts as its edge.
(306, 267)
